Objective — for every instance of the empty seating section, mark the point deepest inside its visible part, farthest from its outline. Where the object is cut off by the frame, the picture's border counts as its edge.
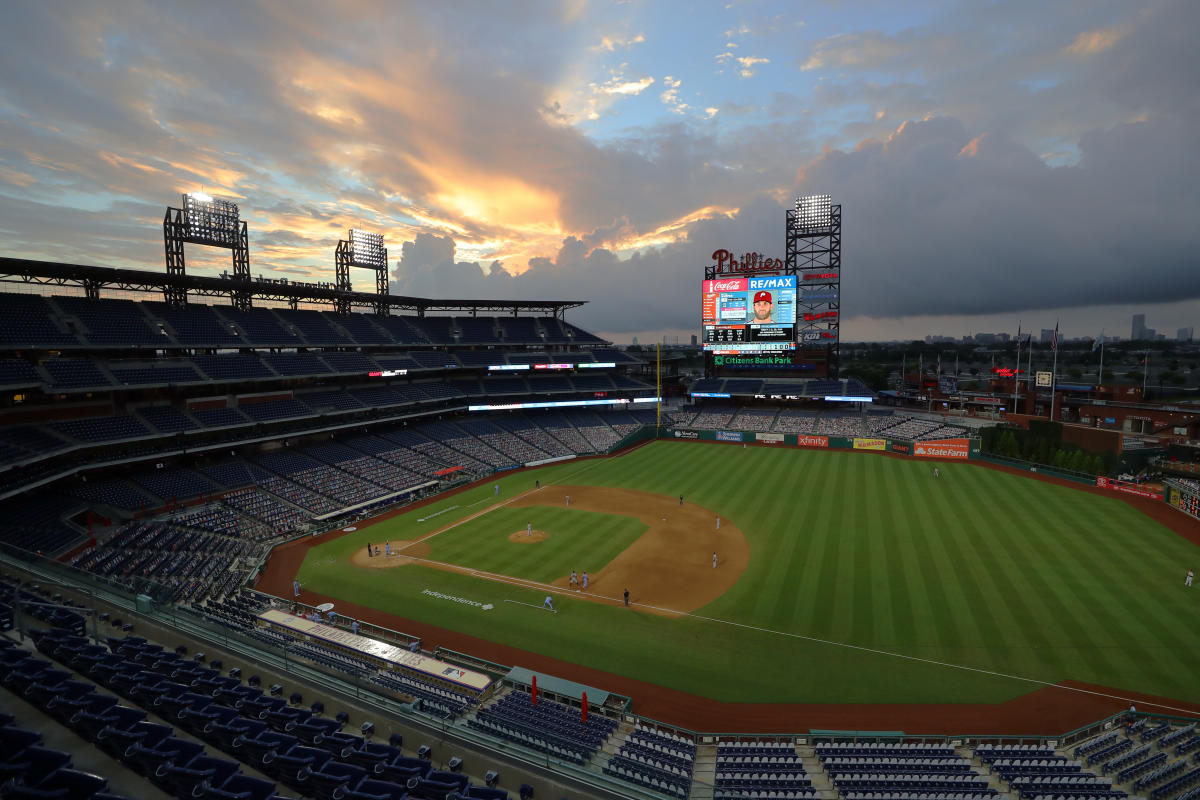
(319, 479)
(196, 325)
(314, 327)
(267, 410)
(899, 769)
(517, 449)
(324, 402)
(233, 367)
(115, 493)
(349, 363)
(539, 439)
(17, 372)
(293, 745)
(436, 329)
(754, 419)
(169, 562)
(19, 442)
(547, 727)
(835, 424)
(595, 430)
(261, 327)
(167, 419)
(221, 518)
(103, 429)
(476, 330)
(154, 374)
(555, 332)
(119, 323)
(74, 373)
(25, 322)
(435, 700)
(279, 517)
(659, 760)
(175, 484)
(294, 364)
(37, 523)
(561, 428)
(220, 417)
(747, 769)
(519, 330)
(714, 417)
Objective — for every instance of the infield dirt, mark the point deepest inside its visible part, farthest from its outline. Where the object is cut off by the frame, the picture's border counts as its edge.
(668, 569)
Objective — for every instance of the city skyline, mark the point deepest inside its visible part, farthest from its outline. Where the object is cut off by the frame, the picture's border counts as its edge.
(995, 162)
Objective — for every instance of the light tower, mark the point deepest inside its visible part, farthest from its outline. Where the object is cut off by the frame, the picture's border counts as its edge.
(211, 222)
(814, 255)
(365, 250)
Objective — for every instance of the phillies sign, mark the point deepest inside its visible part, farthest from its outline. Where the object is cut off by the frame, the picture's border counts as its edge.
(749, 262)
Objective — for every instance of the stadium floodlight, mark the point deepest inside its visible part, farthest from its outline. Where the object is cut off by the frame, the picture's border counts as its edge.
(211, 220)
(814, 211)
(366, 249)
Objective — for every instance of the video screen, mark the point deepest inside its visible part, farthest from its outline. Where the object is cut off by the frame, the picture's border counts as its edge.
(749, 315)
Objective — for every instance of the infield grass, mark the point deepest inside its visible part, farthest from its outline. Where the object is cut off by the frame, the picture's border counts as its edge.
(856, 559)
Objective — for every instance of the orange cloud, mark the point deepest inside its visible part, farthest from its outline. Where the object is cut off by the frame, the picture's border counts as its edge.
(1089, 43)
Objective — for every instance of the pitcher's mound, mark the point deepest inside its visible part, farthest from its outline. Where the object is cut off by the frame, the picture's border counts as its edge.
(523, 537)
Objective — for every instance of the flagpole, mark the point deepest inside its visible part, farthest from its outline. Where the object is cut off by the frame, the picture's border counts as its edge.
(1145, 376)
(1100, 377)
(1017, 374)
(1054, 373)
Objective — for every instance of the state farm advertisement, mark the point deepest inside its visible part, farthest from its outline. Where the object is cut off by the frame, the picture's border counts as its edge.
(943, 448)
(1128, 488)
(812, 441)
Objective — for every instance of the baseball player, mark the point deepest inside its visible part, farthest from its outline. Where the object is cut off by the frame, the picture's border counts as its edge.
(295, 588)
(714, 560)
(1188, 580)
(548, 603)
(718, 523)
(585, 579)
(529, 529)
(574, 580)
(354, 627)
(387, 548)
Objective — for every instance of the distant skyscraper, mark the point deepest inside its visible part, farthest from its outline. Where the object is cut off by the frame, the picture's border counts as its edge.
(635, 341)
(1139, 327)
(1184, 334)
(1047, 335)
(694, 340)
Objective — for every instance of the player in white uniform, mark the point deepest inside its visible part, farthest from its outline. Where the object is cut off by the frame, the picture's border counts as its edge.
(1188, 580)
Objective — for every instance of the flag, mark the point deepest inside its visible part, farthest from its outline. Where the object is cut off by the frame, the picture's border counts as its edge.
(1099, 341)
(1054, 339)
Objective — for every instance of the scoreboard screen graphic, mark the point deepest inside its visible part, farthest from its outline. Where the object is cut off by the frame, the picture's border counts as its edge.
(749, 315)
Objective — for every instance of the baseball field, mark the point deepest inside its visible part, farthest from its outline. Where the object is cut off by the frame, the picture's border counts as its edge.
(841, 577)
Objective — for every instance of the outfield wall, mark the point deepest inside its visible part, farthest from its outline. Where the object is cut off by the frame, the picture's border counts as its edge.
(954, 449)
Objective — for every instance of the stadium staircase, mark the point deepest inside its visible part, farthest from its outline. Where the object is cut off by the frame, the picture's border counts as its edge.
(816, 772)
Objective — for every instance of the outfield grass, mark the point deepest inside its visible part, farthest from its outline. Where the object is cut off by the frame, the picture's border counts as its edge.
(871, 555)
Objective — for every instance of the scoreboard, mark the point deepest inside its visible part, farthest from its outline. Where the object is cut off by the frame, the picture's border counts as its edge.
(749, 315)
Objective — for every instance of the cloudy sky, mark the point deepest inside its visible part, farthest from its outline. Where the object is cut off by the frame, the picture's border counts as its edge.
(997, 162)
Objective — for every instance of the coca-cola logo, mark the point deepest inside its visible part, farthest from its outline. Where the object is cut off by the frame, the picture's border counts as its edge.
(726, 286)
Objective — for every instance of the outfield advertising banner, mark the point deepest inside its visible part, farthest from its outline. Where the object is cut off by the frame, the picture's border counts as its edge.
(1112, 484)
(870, 444)
(729, 436)
(769, 438)
(943, 448)
(687, 435)
(812, 441)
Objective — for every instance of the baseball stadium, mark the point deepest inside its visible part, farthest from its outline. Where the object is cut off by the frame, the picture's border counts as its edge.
(267, 538)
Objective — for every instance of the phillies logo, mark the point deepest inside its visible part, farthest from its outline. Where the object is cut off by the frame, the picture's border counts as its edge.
(750, 262)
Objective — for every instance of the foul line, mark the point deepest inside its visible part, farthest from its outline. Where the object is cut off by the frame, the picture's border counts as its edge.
(489, 509)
